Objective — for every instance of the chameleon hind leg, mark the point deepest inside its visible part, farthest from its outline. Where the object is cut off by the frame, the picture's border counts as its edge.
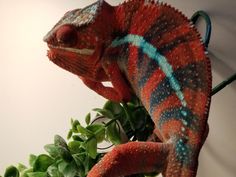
(132, 158)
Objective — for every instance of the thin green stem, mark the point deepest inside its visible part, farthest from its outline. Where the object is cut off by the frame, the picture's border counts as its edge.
(101, 129)
(207, 19)
(111, 121)
(223, 84)
(125, 106)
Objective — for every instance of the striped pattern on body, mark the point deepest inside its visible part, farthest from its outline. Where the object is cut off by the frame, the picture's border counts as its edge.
(168, 69)
(165, 63)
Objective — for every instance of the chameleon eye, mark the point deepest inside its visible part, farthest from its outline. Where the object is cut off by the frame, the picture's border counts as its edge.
(66, 35)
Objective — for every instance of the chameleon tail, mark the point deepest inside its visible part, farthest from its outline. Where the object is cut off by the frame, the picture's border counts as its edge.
(132, 158)
(175, 168)
(146, 157)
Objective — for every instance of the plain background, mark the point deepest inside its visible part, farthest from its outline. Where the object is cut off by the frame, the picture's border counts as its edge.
(37, 98)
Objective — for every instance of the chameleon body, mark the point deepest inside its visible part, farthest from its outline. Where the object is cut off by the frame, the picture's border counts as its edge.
(149, 49)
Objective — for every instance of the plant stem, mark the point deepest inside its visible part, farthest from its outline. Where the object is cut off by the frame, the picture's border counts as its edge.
(125, 106)
(207, 19)
(111, 121)
(223, 84)
(101, 129)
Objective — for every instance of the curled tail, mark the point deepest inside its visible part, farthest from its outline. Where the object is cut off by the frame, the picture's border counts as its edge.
(143, 157)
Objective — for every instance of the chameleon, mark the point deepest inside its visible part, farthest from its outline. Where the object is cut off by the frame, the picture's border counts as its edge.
(149, 49)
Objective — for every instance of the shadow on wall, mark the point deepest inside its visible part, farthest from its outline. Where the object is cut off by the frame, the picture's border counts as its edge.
(221, 145)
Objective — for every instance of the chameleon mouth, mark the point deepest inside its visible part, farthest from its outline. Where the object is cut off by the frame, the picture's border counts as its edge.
(77, 51)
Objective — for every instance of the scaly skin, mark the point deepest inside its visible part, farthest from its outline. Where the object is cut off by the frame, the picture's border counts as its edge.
(151, 50)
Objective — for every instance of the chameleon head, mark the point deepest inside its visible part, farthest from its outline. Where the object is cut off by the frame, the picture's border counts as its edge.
(72, 41)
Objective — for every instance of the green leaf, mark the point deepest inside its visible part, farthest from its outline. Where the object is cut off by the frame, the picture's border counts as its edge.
(21, 167)
(88, 118)
(91, 147)
(61, 166)
(114, 107)
(74, 126)
(32, 159)
(65, 154)
(98, 130)
(67, 169)
(12, 172)
(79, 159)
(42, 162)
(105, 112)
(59, 141)
(75, 147)
(37, 174)
(77, 138)
(71, 121)
(89, 163)
(84, 131)
(53, 171)
(69, 135)
(25, 172)
(113, 134)
(52, 149)
(128, 115)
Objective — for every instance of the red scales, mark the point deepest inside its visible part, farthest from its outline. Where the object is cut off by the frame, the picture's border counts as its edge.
(152, 50)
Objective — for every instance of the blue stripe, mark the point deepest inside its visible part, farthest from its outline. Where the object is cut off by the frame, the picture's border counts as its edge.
(179, 113)
(183, 152)
(152, 53)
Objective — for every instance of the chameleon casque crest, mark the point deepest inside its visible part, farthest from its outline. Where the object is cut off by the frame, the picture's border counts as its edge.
(151, 50)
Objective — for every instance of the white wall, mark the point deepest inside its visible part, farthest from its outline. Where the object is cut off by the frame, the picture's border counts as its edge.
(37, 98)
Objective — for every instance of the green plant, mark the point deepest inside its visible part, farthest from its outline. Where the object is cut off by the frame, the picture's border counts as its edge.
(77, 156)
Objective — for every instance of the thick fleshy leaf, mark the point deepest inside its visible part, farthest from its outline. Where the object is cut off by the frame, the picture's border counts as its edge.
(69, 135)
(98, 130)
(104, 112)
(42, 163)
(74, 126)
(32, 159)
(25, 172)
(114, 107)
(75, 147)
(67, 169)
(21, 167)
(11, 172)
(79, 158)
(65, 154)
(52, 149)
(89, 163)
(37, 174)
(59, 141)
(113, 133)
(88, 118)
(91, 147)
(84, 131)
(80, 163)
(77, 138)
(53, 171)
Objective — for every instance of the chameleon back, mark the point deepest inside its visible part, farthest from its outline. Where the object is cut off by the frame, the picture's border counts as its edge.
(163, 58)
